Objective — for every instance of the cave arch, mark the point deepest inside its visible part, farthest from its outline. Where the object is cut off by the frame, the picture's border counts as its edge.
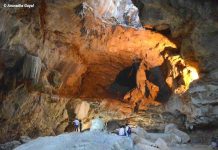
(124, 81)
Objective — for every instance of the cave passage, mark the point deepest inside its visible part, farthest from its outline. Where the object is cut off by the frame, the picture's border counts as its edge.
(124, 82)
(156, 76)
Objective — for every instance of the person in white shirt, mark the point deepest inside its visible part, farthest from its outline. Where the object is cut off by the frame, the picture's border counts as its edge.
(127, 130)
(122, 131)
(76, 124)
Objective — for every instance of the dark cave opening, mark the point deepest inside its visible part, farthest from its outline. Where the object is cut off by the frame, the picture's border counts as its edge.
(125, 81)
(156, 75)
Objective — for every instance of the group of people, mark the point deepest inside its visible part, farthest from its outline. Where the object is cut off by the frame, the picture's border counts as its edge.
(125, 130)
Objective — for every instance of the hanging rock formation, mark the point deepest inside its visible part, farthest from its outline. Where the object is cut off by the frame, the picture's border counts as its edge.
(32, 68)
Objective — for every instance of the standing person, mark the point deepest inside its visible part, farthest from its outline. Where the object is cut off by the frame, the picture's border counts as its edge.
(122, 131)
(76, 124)
(127, 130)
(80, 125)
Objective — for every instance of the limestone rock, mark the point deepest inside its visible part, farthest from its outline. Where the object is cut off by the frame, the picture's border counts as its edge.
(84, 57)
(97, 124)
(197, 104)
(139, 132)
(82, 110)
(10, 145)
(170, 127)
(140, 140)
(54, 78)
(169, 138)
(122, 10)
(201, 53)
(91, 45)
(32, 68)
(140, 146)
(48, 117)
(162, 144)
(13, 55)
(25, 139)
(76, 141)
(184, 136)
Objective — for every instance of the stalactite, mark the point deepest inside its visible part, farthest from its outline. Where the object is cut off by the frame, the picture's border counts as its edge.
(32, 68)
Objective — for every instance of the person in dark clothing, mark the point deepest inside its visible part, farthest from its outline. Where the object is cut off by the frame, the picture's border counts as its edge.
(80, 125)
(127, 130)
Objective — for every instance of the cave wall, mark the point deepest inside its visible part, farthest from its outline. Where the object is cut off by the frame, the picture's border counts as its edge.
(83, 48)
(193, 26)
(84, 52)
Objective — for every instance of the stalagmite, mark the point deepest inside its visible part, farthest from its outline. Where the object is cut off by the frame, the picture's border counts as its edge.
(141, 78)
(31, 68)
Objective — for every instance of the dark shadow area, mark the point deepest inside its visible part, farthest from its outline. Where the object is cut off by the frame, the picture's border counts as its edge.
(139, 5)
(157, 77)
(125, 81)
(11, 79)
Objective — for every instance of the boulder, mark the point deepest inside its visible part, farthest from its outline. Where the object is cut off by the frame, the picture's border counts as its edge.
(161, 144)
(169, 138)
(77, 141)
(169, 127)
(184, 136)
(25, 139)
(199, 102)
(10, 145)
(139, 132)
(136, 140)
(172, 128)
(97, 125)
(140, 146)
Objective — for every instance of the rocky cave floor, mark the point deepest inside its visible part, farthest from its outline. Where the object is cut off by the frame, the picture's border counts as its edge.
(171, 139)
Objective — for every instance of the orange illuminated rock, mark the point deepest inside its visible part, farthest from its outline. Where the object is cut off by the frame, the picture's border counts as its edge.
(141, 78)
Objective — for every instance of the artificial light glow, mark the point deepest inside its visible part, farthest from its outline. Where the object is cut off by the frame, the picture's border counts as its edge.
(189, 75)
(193, 73)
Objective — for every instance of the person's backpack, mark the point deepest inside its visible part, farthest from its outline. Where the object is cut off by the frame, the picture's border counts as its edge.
(129, 131)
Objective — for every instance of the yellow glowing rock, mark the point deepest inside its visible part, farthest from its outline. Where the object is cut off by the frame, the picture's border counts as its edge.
(189, 75)
(193, 73)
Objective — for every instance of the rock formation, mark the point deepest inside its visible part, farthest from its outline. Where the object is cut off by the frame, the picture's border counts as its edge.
(101, 56)
(32, 68)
